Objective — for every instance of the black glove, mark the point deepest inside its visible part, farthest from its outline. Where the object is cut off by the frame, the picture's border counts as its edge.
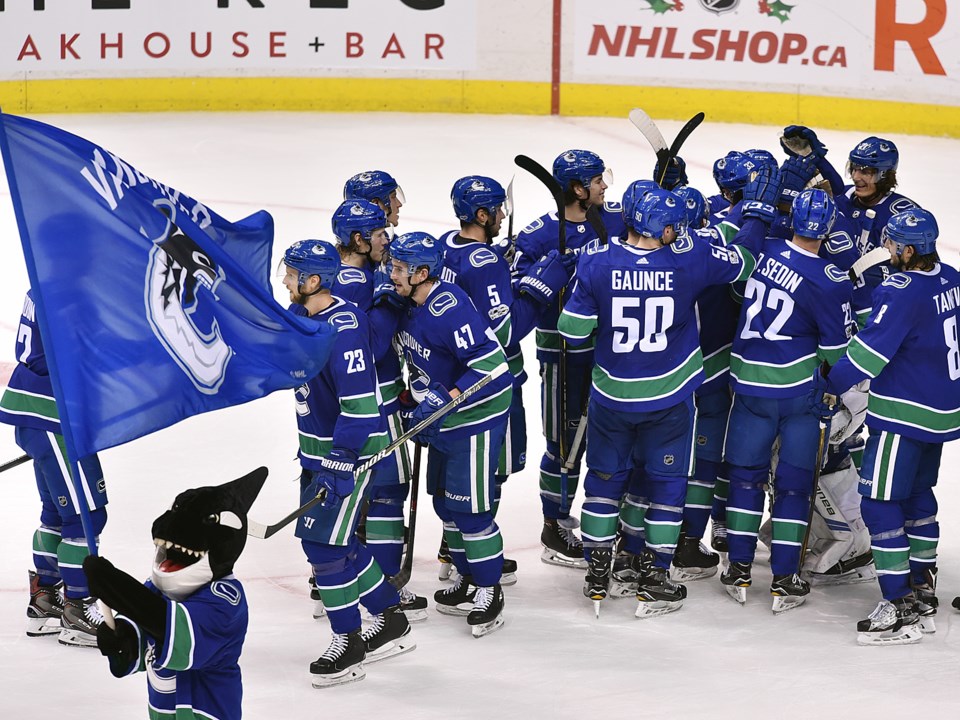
(126, 595)
(120, 646)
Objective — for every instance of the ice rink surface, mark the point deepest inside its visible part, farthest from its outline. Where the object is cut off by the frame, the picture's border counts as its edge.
(552, 659)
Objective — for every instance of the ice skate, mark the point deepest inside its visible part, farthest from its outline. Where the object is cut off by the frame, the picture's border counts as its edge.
(388, 636)
(561, 546)
(446, 562)
(789, 592)
(341, 662)
(718, 536)
(598, 577)
(458, 599)
(45, 608)
(891, 623)
(692, 561)
(657, 594)
(627, 569)
(79, 623)
(508, 576)
(318, 609)
(736, 579)
(487, 613)
(927, 603)
(854, 570)
(412, 605)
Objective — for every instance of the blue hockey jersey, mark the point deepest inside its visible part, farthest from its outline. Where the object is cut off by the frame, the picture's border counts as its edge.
(641, 305)
(446, 341)
(195, 672)
(28, 400)
(340, 407)
(796, 311)
(536, 240)
(911, 350)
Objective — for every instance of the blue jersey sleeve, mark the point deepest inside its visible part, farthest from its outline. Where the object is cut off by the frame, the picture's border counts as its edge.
(834, 318)
(579, 318)
(351, 364)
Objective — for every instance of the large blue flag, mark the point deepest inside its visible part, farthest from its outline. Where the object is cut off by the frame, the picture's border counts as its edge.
(154, 308)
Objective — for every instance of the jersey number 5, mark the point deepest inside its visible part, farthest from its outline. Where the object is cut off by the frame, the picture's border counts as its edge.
(651, 336)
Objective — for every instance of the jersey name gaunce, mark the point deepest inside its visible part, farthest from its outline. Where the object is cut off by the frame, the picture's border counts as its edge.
(797, 311)
(446, 341)
(910, 347)
(641, 305)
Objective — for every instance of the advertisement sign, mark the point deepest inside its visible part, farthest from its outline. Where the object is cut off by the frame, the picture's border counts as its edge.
(48, 38)
(880, 46)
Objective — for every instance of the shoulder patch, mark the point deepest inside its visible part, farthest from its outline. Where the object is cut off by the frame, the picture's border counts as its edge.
(836, 274)
(533, 227)
(682, 244)
(482, 256)
(897, 280)
(593, 247)
(901, 204)
(344, 320)
(495, 313)
(441, 303)
(351, 276)
(226, 590)
(839, 242)
(613, 207)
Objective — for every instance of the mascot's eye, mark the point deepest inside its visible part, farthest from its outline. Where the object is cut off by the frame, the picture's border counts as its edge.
(212, 519)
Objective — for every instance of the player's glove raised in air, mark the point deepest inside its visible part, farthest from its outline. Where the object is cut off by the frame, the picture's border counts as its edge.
(676, 173)
(801, 140)
(335, 475)
(548, 276)
(435, 398)
(760, 195)
(796, 171)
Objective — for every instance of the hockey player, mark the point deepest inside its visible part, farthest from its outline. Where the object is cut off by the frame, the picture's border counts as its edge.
(796, 309)
(638, 297)
(59, 543)
(185, 627)
(584, 178)
(360, 228)
(378, 187)
(340, 424)
(449, 347)
(470, 263)
(910, 350)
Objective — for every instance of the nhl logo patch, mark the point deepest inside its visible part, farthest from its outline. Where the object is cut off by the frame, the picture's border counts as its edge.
(668, 460)
(62, 500)
(701, 440)
(719, 6)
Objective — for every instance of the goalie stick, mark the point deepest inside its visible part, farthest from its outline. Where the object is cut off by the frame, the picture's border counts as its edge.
(645, 124)
(14, 463)
(403, 576)
(259, 530)
(541, 174)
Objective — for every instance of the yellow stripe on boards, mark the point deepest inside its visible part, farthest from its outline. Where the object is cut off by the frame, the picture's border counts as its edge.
(470, 96)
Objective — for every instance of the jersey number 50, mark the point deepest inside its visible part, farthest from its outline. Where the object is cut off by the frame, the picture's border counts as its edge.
(651, 335)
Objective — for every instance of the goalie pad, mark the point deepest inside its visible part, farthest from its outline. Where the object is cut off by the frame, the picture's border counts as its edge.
(851, 413)
(837, 532)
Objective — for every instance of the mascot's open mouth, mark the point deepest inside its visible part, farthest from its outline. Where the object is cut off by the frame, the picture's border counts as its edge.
(172, 557)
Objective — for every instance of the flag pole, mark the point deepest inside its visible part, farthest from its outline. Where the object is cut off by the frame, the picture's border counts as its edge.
(65, 428)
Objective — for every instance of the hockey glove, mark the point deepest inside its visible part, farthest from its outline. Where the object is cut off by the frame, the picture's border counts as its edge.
(384, 291)
(761, 194)
(799, 140)
(121, 646)
(435, 398)
(126, 595)
(823, 398)
(675, 175)
(796, 171)
(548, 276)
(336, 475)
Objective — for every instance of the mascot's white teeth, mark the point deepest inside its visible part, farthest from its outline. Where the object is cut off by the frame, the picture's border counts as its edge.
(166, 544)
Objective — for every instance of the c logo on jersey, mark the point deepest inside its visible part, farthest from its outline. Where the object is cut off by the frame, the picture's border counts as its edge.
(181, 287)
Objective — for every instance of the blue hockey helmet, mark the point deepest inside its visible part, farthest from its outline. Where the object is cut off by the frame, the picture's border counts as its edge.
(732, 172)
(814, 212)
(473, 192)
(763, 158)
(637, 189)
(917, 227)
(417, 250)
(580, 165)
(313, 257)
(357, 216)
(372, 185)
(694, 203)
(877, 153)
(655, 211)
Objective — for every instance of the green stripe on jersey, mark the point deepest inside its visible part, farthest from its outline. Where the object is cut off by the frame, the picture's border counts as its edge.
(865, 357)
(652, 388)
(913, 414)
(181, 637)
(773, 376)
(474, 413)
(576, 326)
(18, 402)
(488, 363)
(360, 405)
(315, 448)
(549, 340)
(716, 362)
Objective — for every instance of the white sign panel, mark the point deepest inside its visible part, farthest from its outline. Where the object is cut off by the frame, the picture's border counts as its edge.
(871, 46)
(202, 37)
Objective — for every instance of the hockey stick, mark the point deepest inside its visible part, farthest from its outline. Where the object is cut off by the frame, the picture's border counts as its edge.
(877, 256)
(259, 530)
(645, 124)
(541, 174)
(403, 577)
(14, 463)
(821, 448)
